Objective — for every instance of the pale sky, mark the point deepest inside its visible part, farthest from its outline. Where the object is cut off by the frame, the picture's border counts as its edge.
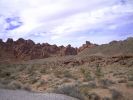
(64, 22)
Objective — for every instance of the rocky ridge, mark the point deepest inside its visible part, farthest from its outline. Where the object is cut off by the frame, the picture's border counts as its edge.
(27, 49)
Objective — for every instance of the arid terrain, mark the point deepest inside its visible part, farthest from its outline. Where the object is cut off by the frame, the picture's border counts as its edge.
(90, 72)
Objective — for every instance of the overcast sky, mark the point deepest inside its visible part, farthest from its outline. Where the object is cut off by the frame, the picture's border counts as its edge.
(65, 22)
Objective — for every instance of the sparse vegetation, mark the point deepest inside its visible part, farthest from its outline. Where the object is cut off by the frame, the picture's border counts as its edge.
(87, 75)
(93, 96)
(91, 79)
(129, 84)
(98, 72)
(116, 95)
(85, 89)
(58, 73)
(70, 90)
(105, 83)
(130, 75)
(67, 74)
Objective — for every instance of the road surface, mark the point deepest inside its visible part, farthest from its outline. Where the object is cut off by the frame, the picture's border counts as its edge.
(24, 95)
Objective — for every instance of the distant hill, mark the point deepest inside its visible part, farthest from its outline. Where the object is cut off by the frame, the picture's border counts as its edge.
(124, 47)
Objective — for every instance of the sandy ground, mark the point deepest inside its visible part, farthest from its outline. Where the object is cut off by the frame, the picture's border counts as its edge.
(24, 95)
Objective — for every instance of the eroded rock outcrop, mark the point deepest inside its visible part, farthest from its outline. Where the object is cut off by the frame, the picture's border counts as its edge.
(27, 49)
(68, 51)
(87, 45)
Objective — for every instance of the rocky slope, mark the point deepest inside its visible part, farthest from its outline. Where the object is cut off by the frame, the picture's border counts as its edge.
(114, 48)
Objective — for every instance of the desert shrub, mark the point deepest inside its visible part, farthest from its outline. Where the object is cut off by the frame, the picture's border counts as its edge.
(86, 87)
(27, 88)
(40, 83)
(99, 72)
(67, 74)
(130, 84)
(5, 73)
(89, 85)
(14, 85)
(86, 74)
(63, 73)
(29, 69)
(82, 70)
(116, 95)
(122, 81)
(66, 80)
(5, 81)
(21, 67)
(43, 71)
(70, 90)
(93, 96)
(92, 84)
(33, 80)
(130, 76)
(33, 77)
(105, 83)
(58, 73)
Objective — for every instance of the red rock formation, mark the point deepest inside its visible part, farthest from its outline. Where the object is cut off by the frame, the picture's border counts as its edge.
(27, 49)
(9, 41)
(68, 51)
(87, 45)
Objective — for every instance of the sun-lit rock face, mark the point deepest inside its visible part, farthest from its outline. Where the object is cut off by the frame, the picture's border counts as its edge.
(87, 45)
(27, 49)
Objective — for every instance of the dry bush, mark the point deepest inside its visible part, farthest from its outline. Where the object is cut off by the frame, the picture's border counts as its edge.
(129, 84)
(70, 90)
(86, 74)
(130, 76)
(116, 95)
(14, 85)
(93, 96)
(98, 73)
(67, 74)
(105, 83)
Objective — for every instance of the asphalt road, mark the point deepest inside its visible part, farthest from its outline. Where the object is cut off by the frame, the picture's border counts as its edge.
(24, 95)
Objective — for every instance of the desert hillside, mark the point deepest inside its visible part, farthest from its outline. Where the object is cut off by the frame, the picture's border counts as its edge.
(90, 72)
(27, 50)
(114, 48)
